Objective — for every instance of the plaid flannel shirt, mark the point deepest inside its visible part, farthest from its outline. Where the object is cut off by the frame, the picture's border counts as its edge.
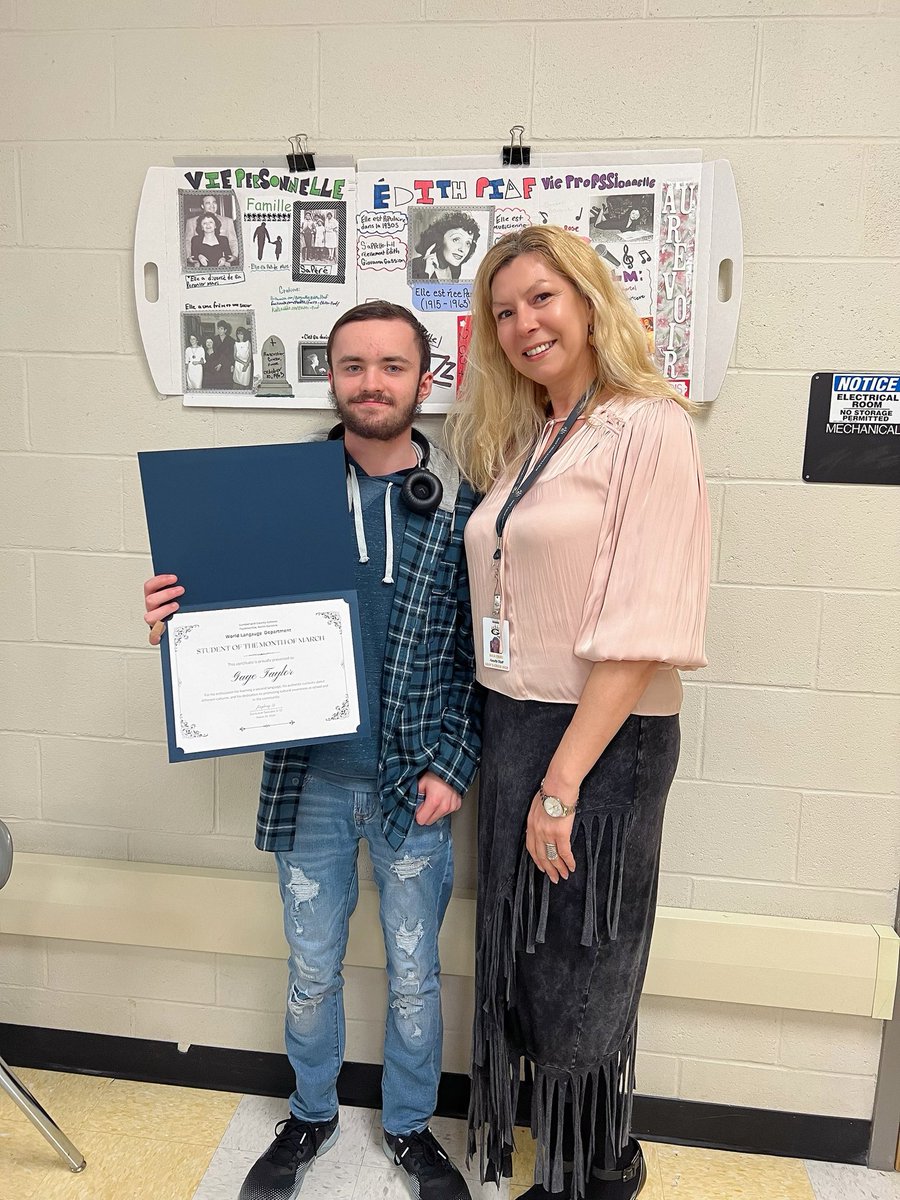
(431, 707)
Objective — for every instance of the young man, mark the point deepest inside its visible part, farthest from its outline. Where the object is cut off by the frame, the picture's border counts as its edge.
(395, 788)
(222, 363)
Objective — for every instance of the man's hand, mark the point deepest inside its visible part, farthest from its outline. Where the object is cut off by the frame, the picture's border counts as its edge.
(440, 799)
(159, 602)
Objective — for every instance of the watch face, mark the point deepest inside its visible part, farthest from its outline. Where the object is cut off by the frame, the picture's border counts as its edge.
(553, 807)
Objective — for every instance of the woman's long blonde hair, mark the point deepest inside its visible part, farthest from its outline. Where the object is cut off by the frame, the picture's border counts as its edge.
(500, 413)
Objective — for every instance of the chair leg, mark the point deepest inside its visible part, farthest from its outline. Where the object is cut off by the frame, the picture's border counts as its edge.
(39, 1117)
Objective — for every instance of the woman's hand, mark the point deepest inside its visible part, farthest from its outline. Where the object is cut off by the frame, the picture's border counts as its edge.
(610, 694)
(431, 262)
(542, 831)
(159, 602)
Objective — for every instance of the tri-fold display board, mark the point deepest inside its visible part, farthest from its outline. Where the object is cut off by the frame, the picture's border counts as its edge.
(254, 263)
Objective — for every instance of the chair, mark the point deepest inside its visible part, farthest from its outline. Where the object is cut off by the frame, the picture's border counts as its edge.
(9, 1082)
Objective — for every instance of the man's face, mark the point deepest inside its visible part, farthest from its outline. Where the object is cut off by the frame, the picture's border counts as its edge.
(374, 375)
(221, 330)
(210, 204)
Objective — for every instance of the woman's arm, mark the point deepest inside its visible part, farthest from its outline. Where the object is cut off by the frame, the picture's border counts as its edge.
(609, 696)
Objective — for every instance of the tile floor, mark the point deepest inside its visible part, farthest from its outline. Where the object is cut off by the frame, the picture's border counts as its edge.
(150, 1142)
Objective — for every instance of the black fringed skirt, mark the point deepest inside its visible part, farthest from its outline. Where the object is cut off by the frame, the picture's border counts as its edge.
(559, 968)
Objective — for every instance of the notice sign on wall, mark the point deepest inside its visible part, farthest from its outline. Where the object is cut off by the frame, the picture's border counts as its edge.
(853, 429)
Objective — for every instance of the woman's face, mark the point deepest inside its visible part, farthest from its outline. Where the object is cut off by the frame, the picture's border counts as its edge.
(208, 225)
(241, 336)
(209, 344)
(541, 323)
(194, 341)
(455, 247)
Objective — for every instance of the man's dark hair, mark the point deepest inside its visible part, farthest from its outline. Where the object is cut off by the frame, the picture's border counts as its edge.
(383, 310)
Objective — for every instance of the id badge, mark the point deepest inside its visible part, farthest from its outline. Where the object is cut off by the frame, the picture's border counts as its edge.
(495, 643)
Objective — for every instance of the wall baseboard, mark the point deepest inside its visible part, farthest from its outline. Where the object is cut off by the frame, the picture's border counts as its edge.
(656, 1118)
(737, 958)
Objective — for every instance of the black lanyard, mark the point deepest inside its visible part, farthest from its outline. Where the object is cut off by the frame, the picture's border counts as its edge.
(527, 479)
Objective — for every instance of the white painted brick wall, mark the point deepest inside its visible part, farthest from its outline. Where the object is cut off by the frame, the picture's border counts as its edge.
(20, 770)
(14, 410)
(786, 801)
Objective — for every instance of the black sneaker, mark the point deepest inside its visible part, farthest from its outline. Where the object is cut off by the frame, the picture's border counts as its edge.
(430, 1175)
(279, 1173)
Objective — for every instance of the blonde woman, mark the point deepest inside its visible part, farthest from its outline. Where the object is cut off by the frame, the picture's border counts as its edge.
(590, 551)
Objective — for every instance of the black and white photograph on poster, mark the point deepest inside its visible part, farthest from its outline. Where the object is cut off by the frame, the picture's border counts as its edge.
(211, 232)
(219, 350)
(312, 361)
(447, 244)
(622, 218)
(319, 250)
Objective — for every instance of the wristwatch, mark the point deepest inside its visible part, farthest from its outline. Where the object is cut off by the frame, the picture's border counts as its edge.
(554, 807)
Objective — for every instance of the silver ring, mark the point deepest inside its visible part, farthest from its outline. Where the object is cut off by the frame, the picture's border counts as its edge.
(552, 852)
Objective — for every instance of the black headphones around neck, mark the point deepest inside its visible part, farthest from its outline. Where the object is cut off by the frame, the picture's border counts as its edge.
(422, 491)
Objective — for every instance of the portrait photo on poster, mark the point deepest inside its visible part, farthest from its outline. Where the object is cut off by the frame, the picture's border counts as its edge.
(446, 243)
(312, 360)
(219, 350)
(319, 242)
(210, 224)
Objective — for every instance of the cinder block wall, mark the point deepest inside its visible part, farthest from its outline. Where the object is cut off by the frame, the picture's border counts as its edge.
(787, 794)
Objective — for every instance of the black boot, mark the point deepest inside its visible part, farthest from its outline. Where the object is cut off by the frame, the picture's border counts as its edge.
(624, 1182)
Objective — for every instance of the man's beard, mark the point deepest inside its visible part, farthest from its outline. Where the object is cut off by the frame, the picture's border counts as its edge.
(381, 424)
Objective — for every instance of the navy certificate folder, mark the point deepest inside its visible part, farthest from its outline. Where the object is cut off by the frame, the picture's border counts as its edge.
(252, 525)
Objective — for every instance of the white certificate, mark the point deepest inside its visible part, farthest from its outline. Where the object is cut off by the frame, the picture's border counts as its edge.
(263, 674)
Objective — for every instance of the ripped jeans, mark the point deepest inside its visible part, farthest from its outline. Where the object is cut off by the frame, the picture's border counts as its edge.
(319, 890)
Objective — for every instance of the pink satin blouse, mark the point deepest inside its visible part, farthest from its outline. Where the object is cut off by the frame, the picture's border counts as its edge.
(605, 558)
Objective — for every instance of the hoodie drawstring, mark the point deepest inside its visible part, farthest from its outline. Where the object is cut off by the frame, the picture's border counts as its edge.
(355, 505)
(388, 537)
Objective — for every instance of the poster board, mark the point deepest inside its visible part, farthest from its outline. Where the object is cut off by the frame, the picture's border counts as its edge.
(254, 265)
(414, 231)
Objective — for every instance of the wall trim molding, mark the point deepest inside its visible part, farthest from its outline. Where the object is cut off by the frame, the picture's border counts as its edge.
(738, 958)
(656, 1118)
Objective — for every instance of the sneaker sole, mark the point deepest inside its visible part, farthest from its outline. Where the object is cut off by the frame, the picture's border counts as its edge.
(412, 1185)
(323, 1149)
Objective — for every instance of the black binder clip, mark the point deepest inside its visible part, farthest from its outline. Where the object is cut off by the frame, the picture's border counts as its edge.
(515, 154)
(301, 157)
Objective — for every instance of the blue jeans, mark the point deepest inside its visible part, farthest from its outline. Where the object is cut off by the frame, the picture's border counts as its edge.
(319, 890)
